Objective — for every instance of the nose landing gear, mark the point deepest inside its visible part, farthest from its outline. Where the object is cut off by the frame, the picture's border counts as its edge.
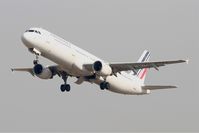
(37, 54)
(36, 61)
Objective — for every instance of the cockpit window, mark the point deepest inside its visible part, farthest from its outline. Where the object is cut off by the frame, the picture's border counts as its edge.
(38, 32)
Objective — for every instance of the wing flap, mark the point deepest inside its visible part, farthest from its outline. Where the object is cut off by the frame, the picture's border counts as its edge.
(157, 87)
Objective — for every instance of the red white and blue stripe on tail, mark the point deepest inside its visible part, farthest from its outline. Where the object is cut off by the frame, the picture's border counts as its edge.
(141, 73)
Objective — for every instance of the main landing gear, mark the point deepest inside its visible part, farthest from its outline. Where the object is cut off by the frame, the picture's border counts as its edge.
(104, 85)
(65, 86)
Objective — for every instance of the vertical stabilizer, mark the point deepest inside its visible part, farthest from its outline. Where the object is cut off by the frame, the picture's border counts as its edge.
(141, 73)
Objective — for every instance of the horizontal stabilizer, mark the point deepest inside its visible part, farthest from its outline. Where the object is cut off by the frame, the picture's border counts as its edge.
(157, 87)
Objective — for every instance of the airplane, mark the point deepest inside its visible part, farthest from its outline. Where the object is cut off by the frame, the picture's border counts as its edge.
(71, 61)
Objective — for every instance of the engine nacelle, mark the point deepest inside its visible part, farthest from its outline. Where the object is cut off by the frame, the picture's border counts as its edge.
(42, 72)
(102, 69)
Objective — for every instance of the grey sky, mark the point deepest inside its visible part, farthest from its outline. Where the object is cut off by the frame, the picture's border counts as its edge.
(115, 31)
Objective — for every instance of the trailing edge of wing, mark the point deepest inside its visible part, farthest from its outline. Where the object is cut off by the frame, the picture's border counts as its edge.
(157, 87)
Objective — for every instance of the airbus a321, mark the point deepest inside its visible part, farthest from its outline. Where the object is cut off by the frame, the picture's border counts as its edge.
(72, 61)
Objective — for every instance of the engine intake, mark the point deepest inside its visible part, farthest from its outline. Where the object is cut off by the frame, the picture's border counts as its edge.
(102, 69)
(97, 66)
(42, 72)
(38, 69)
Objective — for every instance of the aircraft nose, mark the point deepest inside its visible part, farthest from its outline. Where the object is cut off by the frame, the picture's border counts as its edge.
(26, 39)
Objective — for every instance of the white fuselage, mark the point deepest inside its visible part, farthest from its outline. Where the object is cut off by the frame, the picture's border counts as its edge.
(71, 59)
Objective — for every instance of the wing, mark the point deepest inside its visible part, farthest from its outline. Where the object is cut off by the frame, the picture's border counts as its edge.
(118, 67)
(157, 87)
(54, 69)
(29, 70)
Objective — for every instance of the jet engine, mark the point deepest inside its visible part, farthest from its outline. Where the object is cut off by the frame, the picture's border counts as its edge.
(102, 69)
(42, 72)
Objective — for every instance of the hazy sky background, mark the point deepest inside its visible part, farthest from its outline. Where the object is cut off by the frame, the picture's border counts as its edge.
(115, 31)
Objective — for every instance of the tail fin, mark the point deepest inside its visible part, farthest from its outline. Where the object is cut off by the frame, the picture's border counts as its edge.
(141, 73)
